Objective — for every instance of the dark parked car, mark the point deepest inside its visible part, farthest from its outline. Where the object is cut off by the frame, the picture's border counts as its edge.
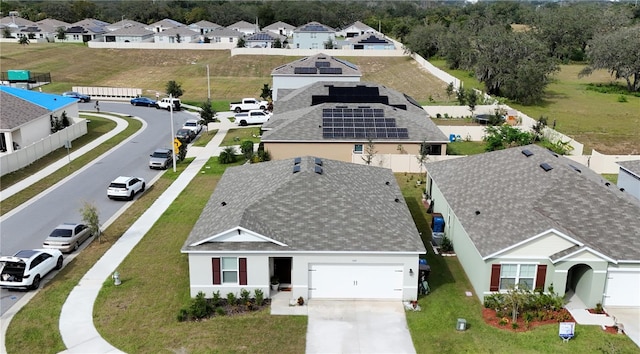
(143, 101)
(78, 95)
(186, 135)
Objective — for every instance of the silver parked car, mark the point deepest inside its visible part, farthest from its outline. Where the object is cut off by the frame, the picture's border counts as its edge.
(67, 237)
(161, 159)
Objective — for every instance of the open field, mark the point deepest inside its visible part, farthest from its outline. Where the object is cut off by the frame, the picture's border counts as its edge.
(598, 120)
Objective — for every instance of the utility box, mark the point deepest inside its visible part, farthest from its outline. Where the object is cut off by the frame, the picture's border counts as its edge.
(461, 325)
(18, 75)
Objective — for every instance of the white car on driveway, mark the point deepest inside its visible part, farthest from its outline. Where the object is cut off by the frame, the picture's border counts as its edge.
(26, 268)
(125, 187)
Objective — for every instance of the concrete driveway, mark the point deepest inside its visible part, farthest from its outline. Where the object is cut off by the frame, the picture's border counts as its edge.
(357, 327)
(630, 319)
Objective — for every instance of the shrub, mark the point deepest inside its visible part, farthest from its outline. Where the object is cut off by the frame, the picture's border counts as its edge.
(446, 245)
(622, 98)
(183, 315)
(514, 325)
(220, 311)
(215, 300)
(199, 306)
(231, 299)
(247, 149)
(503, 321)
(259, 296)
(227, 155)
(300, 301)
(438, 115)
(244, 295)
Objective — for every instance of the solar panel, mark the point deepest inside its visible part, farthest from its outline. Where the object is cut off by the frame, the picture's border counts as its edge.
(318, 161)
(324, 70)
(297, 161)
(304, 70)
(296, 168)
(314, 28)
(322, 64)
(360, 123)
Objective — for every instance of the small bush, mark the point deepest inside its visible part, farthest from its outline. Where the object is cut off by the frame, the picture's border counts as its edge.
(259, 296)
(438, 115)
(247, 149)
(227, 155)
(244, 295)
(514, 325)
(200, 307)
(622, 98)
(231, 299)
(215, 300)
(503, 321)
(220, 311)
(447, 245)
(183, 315)
(300, 301)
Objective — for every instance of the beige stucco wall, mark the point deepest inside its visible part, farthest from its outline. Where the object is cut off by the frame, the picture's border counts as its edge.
(334, 151)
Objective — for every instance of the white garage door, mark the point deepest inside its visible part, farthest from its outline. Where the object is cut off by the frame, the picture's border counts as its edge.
(355, 281)
(623, 288)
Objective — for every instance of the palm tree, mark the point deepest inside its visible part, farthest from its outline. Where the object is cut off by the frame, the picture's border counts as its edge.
(23, 40)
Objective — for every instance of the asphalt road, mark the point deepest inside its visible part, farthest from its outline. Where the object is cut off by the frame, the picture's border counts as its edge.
(28, 227)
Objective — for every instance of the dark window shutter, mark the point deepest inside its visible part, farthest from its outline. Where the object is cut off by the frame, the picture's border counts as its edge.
(216, 271)
(243, 271)
(495, 278)
(541, 276)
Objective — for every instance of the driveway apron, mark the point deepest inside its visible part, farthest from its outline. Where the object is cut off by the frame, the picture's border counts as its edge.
(357, 327)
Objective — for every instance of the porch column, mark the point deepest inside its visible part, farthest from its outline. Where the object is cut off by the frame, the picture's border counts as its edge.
(8, 142)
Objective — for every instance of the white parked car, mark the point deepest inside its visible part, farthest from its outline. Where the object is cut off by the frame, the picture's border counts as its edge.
(125, 187)
(194, 125)
(256, 116)
(26, 268)
(67, 237)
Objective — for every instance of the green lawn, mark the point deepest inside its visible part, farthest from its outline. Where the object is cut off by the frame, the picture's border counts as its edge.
(466, 148)
(237, 136)
(205, 137)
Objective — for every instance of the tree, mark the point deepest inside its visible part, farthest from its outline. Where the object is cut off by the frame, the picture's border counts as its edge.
(423, 155)
(277, 43)
(246, 147)
(472, 100)
(227, 155)
(206, 39)
(178, 38)
(23, 40)
(241, 43)
(91, 218)
(6, 32)
(538, 128)
(328, 44)
(207, 114)
(64, 119)
(174, 89)
(450, 90)
(619, 53)
(61, 33)
(369, 152)
(266, 92)
(461, 95)
(505, 136)
(515, 298)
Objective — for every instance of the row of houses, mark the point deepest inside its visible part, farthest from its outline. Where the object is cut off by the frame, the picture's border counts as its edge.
(313, 35)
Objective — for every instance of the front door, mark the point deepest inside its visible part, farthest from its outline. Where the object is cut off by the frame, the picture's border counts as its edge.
(282, 269)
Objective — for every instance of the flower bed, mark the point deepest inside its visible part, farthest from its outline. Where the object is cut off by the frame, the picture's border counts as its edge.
(548, 317)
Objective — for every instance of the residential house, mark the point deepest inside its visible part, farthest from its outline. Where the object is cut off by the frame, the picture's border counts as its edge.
(305, 71)
(16, 25)
(313, 35)
(86, 30)
(356, 29)
(629, 177)
(530, 218)
(225, 35)
(49, 29)
(345, 120)
(263, 40)
(26, 115)
(368, 41)
(130, 34)
(204, 27)
(280, 28)
(325, 229)
(245, 27)
(176, 35)
(164, 25)
(124, 24)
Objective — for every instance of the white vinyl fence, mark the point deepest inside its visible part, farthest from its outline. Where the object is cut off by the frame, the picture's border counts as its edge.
(26, 155)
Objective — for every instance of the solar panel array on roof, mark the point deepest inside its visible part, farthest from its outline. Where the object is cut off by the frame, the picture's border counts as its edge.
(314, 28)
(322, 64)
(365, 123)
(305, 70)
(330, 70)
(260, 37)
(372, 39)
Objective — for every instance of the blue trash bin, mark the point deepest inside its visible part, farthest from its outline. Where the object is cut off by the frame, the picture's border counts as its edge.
(452, 138)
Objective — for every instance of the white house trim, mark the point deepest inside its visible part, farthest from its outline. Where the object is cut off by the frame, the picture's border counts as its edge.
(544, 233)
(243, 235)
(588, 249)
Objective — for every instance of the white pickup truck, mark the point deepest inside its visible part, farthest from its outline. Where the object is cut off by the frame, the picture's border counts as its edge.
(165, 103)
(247, 104)
(256, 116)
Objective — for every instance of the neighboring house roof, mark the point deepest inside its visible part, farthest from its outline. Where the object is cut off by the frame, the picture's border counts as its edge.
(359, 26)
(314, 27)
(166, 23)
(20, 106)
(264, 37)
(279, 25)
(242, 25)
(503, 198)
(53, 23)
(345, 208)
(15, 21)
(124, 24)
(302, 115)
(312, 65)
(92, 25)
(632, 167)
(204, 24)
(224, 32)
(182, 31)
(133, 31)
(370, 38)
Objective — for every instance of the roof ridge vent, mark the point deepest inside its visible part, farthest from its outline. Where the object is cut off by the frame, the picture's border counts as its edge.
(546, 167)
(527, 152)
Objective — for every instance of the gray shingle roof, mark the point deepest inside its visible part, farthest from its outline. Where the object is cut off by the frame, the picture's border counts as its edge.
(137, 31)
(517, 200)
(631, 166)
(296, 119)
(278, 25)
(347, 208)
(17, 111)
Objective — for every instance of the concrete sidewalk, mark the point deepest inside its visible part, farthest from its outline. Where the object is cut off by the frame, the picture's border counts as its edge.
(76, 319)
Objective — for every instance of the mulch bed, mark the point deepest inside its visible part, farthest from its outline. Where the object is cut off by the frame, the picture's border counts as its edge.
(490, 318)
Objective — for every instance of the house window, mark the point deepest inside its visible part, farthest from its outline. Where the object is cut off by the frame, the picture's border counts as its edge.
(229, 270)
(521, 274)
(230, 39)
(314, 35)
(357, 149)
(76, 37)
